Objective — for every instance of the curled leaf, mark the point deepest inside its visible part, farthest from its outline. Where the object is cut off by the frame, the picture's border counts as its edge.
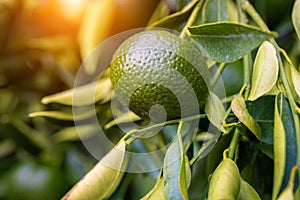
(296, 17)
(239, 108)
(265, 71)
(215, 110)
(102, 180)
(123, 118)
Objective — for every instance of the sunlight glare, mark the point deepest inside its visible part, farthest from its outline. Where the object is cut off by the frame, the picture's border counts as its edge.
(72, 9)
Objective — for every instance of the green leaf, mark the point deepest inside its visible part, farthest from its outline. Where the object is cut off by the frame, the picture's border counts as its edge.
(72, 133)
(262, 110)
(265, 71)
(247, 192)
(158, 191)
(83, 95)
(279, 146)
(102, 180)
(296, 17)
(123, 118)
(239, 108)
(177, 18)
(215, 110)
(214, 11)
(175, 172)
(227, 42)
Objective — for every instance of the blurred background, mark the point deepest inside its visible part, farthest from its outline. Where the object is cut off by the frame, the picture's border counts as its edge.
(42, 45)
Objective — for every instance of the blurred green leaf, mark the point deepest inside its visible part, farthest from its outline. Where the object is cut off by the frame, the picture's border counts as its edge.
(239, 108)
(227, 42)
(175, 19)
(72, 133)
(83, 95)
(102, 180)
(265, 71)
(296, 17)
(77, 114)
(215, 110)
(214, 11)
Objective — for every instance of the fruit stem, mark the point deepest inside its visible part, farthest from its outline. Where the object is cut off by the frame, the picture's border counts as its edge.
(191, 19)
(217, 74)
(260, 22)
(234, 142)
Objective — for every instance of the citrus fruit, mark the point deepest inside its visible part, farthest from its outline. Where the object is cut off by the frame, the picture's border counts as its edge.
(157, 67)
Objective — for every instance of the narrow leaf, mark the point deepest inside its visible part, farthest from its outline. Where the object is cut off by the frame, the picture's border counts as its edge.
(101, 181)
(214, 11)
(71, 133)
(177, 18)
(123, 118)
(227, 42)
(279, 147)
(83, 95)
(265, 71)
(157, 192)
(67, 115)
(215, 110)
(296, 17)
(239, 108)
(247, 192)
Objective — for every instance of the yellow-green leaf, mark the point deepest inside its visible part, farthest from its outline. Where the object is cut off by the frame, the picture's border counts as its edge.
(296, 79)
(296, 17)
(123, 118)
(279, 147)
(157, 192)
(215, 110)
(265, 71)
(239, 108)
(247, 192)
(102, 180)
(83, 95)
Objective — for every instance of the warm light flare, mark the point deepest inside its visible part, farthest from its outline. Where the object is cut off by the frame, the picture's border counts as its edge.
(72, 9)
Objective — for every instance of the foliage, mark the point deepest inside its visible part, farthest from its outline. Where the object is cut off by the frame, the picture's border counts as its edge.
(246, 146)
